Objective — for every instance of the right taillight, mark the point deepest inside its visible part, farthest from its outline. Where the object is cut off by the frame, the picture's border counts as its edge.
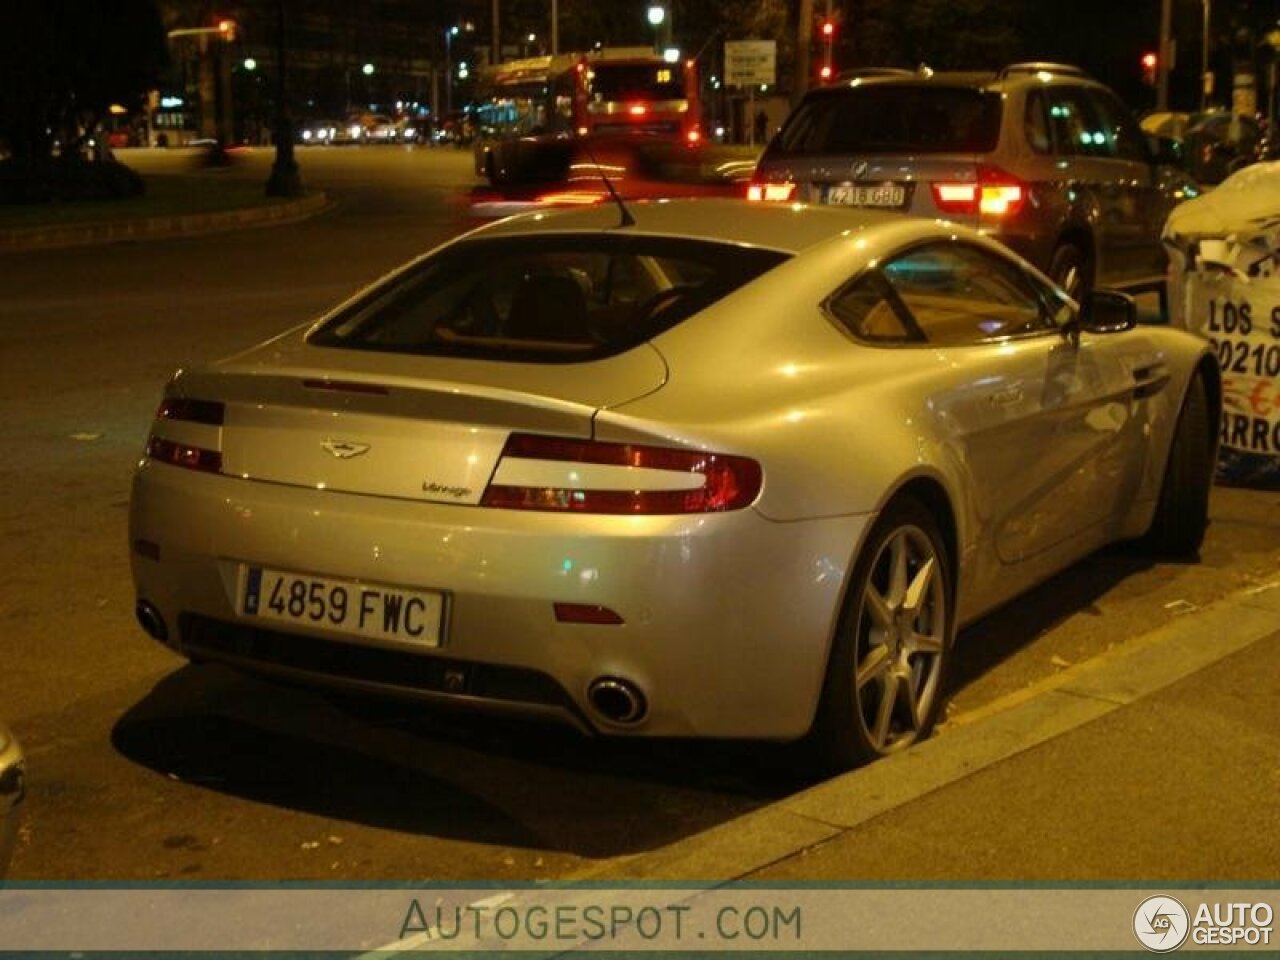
(994, 193)
(771, 192)
(562, 474)
(190, 452)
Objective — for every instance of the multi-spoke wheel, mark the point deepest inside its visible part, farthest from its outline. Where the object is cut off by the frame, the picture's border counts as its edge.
(885, 675)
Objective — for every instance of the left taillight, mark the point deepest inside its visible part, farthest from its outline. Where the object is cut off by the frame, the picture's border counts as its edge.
(771, 192)
(994, 193)
(562, 474)
(193, 443)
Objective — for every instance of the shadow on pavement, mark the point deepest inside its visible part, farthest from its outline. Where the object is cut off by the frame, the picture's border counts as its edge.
(436, 774)
(399, 767)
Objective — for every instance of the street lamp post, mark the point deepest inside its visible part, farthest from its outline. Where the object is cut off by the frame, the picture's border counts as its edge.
(1204, 59)
(448, 69)
(214, 83)
(1166, 49)
(285, 180)
(656, 15)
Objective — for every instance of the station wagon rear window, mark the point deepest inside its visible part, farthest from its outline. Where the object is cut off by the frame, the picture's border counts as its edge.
(545, 299)
(893, 118)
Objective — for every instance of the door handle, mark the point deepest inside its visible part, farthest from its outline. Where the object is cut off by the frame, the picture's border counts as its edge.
(1149, 380)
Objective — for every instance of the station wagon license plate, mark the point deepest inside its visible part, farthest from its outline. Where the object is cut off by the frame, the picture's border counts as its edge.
(887, 194)
(371, 610)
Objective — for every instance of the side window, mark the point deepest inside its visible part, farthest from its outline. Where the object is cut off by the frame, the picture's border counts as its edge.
(1123, 133)
(871, 311)
(1036, 124)
(958, 294)
(1077, 128)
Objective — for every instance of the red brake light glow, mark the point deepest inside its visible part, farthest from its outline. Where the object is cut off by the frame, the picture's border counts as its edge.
(346, 386)
(637, 109)
(994, 194)
(728, 482)
(771, 192)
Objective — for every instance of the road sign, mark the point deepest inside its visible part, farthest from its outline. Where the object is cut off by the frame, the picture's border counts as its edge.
(749, 63)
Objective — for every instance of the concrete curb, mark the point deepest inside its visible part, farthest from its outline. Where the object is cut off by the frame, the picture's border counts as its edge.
(151, 228)
(970, 743)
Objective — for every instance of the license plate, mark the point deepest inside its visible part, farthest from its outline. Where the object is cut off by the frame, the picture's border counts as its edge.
(372, 610)
(867, 194)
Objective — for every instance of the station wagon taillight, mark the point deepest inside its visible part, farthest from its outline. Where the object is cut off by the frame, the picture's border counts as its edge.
(563, 474)
(994, 193)
(772, 192)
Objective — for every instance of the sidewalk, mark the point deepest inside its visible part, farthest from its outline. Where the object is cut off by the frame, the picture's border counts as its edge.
(1157, 761)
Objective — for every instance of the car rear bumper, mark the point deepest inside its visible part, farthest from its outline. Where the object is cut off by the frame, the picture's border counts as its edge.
(726, 617)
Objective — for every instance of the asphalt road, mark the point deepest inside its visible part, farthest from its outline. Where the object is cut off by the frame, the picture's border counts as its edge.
(142, 767)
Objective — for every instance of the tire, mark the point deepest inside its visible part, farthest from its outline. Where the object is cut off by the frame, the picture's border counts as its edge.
(1071, 268)
(491, 171)
(901, 656)
(1182, 512)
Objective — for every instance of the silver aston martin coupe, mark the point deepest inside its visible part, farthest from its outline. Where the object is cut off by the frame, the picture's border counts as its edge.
(702, 468)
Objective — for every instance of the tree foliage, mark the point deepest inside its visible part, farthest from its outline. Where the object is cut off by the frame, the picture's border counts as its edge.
(64, 62)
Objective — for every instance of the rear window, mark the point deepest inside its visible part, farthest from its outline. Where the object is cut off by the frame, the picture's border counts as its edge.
(545, 299)
(611, 82)
(892, 118)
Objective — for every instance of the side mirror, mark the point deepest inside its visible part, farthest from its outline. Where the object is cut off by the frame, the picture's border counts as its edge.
(1108, 311)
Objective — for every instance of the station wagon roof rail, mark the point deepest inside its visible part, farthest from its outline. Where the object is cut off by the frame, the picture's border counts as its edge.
(1041, 66)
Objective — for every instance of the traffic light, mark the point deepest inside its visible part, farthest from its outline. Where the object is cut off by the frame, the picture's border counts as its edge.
(1149, 63)
(227, 29)
(827, 30)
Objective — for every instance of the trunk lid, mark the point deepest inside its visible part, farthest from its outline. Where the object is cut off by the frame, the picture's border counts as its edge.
(392, 425)
(898, 182)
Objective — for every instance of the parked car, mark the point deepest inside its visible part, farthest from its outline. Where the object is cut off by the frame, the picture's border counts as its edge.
(1040, 156)
(1218, 144)
(12, 794)
(1215, 143)
(694, 468)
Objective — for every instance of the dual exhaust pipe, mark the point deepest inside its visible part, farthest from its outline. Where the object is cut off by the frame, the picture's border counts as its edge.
(150, 620)
(618, 701)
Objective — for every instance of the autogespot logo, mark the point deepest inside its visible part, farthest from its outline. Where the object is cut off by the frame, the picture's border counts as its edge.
(1161, 924)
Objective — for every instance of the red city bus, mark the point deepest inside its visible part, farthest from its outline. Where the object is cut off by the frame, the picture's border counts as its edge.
(529, 110)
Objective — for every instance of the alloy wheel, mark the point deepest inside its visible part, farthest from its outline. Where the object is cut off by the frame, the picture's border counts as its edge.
(900, 640)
